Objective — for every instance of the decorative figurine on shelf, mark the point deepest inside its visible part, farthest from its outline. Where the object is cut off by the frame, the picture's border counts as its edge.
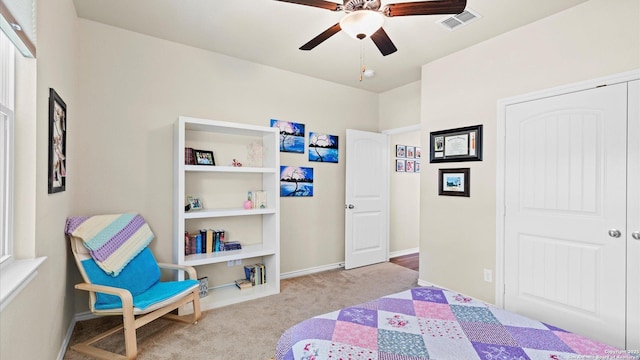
(236, 163)
(248, 204)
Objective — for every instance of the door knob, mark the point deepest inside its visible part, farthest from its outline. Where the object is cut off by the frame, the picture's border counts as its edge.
(636, 235)
(615, 233)
(350, 206)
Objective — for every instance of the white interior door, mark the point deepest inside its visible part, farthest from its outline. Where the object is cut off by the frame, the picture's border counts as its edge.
(565, 193)
(366, 199)
(633, 219)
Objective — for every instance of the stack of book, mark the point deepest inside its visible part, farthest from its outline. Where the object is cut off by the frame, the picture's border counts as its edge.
(208, 241)
(243, 284)
(256, 274)
(189, 159)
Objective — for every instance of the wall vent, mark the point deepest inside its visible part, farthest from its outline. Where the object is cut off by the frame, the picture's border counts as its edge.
(457, 21)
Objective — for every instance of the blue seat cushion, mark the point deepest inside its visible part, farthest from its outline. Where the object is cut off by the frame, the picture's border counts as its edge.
(141, 277)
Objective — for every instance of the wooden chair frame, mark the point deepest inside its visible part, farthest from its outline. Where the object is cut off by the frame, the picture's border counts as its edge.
(132, 318)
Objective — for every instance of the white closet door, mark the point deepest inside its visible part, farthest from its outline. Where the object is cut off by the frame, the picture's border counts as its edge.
(633, 219)
(565, 189)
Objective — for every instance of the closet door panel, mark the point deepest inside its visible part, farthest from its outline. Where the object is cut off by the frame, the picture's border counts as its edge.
(633, 219)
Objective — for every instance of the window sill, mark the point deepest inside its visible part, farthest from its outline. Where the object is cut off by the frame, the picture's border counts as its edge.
(15, 276)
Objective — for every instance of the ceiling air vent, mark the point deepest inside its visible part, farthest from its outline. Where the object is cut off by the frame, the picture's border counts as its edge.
(456, 21)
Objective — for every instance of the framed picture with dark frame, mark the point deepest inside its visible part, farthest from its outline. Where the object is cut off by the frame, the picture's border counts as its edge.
(203, 157)
(460, 144)
(454, 182)
(57, 143)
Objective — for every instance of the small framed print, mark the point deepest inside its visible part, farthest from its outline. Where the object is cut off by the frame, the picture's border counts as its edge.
(418, 152)
(401, 151)
(411, 152)
(203, 157)
(461, 144)
(410, 166)
(400, 165)
(194, 203)
(454, 182)
(416, 166)
(57, 143)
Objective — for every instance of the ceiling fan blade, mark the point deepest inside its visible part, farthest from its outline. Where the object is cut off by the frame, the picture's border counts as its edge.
(425, 8)
(383, 42)
(316, 3)
(322, 37)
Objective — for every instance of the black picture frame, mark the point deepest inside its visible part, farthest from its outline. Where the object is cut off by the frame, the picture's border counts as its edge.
(203, 157)
(57, 174)
(454, 182)
(460, 144)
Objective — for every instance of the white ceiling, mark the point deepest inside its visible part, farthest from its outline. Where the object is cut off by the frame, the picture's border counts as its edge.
(270, 32)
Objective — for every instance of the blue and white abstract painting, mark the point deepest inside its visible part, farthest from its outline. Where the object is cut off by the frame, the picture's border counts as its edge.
(291, 136)
(323, 147)
(296, 181)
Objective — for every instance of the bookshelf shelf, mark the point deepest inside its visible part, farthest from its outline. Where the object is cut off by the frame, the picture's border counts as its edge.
(210, 213)
(217, 182)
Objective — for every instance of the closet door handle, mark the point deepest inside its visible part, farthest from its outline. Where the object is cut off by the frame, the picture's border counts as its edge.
(615, 233)
(636, 235)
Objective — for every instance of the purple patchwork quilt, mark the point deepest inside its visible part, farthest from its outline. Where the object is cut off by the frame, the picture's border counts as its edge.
(432, 323)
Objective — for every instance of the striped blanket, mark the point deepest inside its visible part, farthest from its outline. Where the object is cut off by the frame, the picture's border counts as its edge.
(112, 240)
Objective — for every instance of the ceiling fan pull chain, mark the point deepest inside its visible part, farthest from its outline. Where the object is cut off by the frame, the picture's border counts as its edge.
(362, 65)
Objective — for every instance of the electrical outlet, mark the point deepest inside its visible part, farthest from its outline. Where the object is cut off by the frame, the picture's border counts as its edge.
(239, 262)
(230, 263)
(488, 275)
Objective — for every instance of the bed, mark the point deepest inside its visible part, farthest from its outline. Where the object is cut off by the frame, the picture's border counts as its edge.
(433, 323)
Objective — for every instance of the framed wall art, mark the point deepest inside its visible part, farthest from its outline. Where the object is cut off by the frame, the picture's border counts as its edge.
(296, 181)
(461, 144)
(291, 136)
(57, 143)
(454, 182)
(323, 147)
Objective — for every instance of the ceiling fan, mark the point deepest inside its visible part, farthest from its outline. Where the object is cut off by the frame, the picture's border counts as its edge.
(365, 18)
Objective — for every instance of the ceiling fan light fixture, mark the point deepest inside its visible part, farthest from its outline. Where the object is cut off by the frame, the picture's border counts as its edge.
(362, 23)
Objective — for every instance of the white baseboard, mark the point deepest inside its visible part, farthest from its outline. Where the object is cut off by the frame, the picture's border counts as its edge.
(77, 317)
(404, 252)
(310, 271)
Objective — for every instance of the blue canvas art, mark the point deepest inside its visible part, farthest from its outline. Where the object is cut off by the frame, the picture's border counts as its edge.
(291, 136)
(296, 181)
(323, 147)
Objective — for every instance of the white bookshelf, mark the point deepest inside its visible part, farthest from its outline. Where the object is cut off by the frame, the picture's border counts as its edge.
(263, 243)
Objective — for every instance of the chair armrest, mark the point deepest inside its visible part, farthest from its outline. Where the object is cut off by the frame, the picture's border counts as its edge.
(124, 294)
(190, 270)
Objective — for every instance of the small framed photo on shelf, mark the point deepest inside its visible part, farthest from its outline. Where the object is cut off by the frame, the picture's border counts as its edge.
(400, 151)
(194, 203)
(453, 182)
(400, 165)
(203, 157)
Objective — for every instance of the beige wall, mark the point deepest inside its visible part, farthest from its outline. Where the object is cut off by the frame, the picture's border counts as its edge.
(404, 199)
(134, 87)
(591, 40)
(44, 309)
(399, 111)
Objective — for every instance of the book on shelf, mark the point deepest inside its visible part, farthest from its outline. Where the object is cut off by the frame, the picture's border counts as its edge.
(207, 241)
(189, 159)
(258, 199)
(243, 284)
(256, 274)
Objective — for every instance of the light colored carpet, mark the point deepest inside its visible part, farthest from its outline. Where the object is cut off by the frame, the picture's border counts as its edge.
(250, 330)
